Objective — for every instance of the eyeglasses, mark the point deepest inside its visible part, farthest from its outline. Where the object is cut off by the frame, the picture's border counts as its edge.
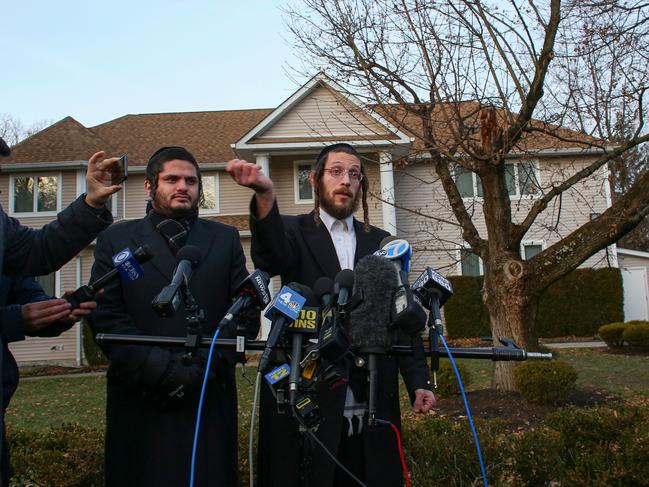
(338, 173)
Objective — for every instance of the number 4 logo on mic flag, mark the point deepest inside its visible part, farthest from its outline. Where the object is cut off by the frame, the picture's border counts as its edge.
(287, 302)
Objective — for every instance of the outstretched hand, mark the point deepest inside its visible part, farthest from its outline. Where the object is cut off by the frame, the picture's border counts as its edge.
(98, 180)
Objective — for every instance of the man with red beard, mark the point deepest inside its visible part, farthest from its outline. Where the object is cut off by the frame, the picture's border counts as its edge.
(153, 391)
(301, 249)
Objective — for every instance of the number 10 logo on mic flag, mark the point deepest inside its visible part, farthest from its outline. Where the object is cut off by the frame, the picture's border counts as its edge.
(127, 265)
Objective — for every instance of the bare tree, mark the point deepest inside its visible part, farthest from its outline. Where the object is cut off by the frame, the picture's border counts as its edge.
(479, 82)
(12, 130)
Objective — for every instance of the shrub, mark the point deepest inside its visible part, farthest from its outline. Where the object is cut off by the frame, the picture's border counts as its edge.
(94, 355)
(545, 382)
(68, 456)
(612, 333)
(447, 384)
(637, 335)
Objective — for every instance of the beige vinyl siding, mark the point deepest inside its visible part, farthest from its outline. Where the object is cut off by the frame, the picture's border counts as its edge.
(68, 188)
(136, 196)
(418, 188)
(323, 114)
(59, 350)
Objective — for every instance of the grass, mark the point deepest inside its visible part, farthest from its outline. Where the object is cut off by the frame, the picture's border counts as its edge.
(45, 402)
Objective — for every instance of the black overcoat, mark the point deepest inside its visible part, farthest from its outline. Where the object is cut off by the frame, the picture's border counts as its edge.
(146, 444)
(301, 251)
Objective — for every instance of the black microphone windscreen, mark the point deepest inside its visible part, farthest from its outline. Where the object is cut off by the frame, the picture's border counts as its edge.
(322, 287)
(345, 279)
(5, 151)
(375, 281)
(143, 254)
(190, 253)
(307, 294)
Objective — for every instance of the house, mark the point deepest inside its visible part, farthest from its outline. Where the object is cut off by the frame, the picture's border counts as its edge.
(46, 172)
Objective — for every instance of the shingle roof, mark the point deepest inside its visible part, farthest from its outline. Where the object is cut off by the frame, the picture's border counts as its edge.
(207, 135)
(66, 140)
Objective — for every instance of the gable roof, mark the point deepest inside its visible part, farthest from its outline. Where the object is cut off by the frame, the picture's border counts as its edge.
(65, 140)
(321, 112)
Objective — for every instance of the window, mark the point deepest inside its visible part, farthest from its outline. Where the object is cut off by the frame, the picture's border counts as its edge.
(530, 249)
(467, 182)
(48, 283)
(521, 178)
(470, 263)
(210, 193)
(35, 194)
(303, 190)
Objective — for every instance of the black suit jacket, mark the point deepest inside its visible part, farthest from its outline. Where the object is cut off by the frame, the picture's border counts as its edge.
(147, 445)
(301, 251)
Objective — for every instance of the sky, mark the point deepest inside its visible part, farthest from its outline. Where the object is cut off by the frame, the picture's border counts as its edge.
(97, 61)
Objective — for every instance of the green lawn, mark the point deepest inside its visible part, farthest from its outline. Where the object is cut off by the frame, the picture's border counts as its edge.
(39, 403)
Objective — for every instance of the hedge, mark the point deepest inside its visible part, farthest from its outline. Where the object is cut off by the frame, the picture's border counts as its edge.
(578, 304)
(607, 445)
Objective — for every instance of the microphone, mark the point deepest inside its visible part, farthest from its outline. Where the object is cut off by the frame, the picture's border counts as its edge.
(126, 264)
(283, 309)
(253, 290)
(306, 323)
(434, 290)
(167, 302)
(406, 313)
(333, 344)
(323, 289)
(375, 281)
(343, 285)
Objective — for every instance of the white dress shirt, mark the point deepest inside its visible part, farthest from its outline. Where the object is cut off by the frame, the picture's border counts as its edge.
(343, 236)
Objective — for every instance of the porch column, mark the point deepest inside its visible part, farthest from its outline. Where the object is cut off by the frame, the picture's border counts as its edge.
(263, 160)
(387, 192)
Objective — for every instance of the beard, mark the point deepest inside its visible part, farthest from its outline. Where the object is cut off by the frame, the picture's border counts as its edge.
(164, 209)
(339, 212)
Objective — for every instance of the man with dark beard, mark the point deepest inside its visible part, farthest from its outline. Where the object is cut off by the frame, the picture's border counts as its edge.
(303, 248)
(152, 392)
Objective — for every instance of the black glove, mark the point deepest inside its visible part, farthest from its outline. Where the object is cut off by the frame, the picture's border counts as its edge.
(180, 384)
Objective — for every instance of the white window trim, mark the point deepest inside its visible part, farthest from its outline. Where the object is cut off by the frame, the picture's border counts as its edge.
(458, 258)
(59, 193)
(296, 185)
(474, 180)
(537, 174)
(217, 196)
(517, 195)
(525, 243)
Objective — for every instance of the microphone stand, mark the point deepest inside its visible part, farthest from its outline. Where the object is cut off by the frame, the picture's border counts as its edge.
(195, 317)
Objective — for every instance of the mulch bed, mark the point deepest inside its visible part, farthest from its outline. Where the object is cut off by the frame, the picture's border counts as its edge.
(512, 408)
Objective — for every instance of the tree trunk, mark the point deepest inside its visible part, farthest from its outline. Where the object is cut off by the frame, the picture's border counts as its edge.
(512, 307)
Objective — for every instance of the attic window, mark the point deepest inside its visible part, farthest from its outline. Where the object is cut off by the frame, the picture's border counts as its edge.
(35, 194)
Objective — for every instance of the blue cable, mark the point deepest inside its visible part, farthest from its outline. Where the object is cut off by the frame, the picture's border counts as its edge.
(200, 407)
(468, 412)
